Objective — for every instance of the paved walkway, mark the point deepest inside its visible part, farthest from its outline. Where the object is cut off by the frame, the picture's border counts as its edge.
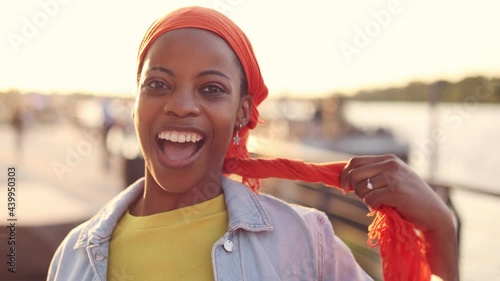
(61, 178)
(60, 175)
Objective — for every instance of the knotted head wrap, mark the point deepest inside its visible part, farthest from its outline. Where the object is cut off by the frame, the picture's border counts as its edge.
(402, 250)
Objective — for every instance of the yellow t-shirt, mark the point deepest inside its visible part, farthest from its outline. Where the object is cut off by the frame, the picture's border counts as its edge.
(174, 245)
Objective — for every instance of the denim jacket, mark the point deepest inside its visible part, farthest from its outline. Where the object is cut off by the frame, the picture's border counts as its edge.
(266, 239)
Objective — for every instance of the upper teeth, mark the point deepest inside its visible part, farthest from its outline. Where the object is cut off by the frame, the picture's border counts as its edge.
(181, 137)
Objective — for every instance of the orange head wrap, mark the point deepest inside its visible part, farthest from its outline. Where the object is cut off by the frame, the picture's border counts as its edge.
(403, 252)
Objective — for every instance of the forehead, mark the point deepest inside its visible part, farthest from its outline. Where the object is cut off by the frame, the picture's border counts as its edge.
(192, 45)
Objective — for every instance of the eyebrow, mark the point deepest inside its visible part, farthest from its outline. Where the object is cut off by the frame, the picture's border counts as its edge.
(162, 69)
(201, 74)
(212, 72)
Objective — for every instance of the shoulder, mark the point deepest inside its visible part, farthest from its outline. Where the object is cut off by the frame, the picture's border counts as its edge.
(277, 208)
(73, 236)
(66, 254)
(309, 226)
(71, 257)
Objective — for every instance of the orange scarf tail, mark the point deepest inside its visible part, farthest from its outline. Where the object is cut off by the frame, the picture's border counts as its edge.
(401, 249)
(327, 174)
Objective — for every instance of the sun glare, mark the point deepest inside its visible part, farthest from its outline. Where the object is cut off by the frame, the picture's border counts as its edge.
(303, 48)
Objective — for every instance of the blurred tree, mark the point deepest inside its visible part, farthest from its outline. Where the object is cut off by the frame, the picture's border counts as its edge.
(478, 88)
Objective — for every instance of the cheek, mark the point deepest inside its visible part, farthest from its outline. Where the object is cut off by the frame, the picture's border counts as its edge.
(142, 118)
(225, 121)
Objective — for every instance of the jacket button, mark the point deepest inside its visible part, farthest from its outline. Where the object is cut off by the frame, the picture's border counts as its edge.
(99, 257)
(229, 246)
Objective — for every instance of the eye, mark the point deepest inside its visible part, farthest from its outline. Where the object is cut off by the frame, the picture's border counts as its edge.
(155, 84)
(212, 89)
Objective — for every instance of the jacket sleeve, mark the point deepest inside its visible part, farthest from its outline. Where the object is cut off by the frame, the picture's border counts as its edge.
(55, 262)
(336, 261)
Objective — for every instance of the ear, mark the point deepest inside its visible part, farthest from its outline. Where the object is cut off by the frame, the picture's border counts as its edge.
(244, 110)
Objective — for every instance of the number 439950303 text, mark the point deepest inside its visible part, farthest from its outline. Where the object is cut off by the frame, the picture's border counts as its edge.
(11, 191)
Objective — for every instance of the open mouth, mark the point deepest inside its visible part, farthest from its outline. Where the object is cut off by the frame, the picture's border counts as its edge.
(177, 145)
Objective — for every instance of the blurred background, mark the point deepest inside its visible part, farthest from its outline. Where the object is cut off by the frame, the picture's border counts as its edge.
(418, 79)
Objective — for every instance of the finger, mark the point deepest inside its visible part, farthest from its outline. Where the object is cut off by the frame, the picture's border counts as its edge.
(360, 174)
(369, 185)
(357, 162)
(378, 197)
(425, 215)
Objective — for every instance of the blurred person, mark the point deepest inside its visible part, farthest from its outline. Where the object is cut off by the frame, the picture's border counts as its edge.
(19, 122)
(108, 121)
(199, 87)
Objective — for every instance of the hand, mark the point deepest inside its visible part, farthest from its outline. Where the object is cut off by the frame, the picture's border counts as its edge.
(394, 184)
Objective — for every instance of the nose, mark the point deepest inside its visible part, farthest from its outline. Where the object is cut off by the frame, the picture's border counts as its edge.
(182, 103)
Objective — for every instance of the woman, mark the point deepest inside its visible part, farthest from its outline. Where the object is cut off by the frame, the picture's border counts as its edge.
(199, 87)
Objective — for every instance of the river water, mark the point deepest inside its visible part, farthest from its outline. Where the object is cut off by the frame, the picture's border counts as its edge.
(464, 138)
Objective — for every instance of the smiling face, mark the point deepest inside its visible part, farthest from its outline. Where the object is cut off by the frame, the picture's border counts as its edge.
(189, 104)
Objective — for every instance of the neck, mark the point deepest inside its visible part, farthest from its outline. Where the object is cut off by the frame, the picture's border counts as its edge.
(157, 199)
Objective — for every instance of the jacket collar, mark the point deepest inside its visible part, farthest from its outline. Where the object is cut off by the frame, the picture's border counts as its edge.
(244, 208)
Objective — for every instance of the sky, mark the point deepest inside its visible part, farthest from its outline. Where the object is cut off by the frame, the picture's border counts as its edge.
(304, 48)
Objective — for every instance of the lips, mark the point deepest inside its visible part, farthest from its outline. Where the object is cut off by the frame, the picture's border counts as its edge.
(179, 148)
